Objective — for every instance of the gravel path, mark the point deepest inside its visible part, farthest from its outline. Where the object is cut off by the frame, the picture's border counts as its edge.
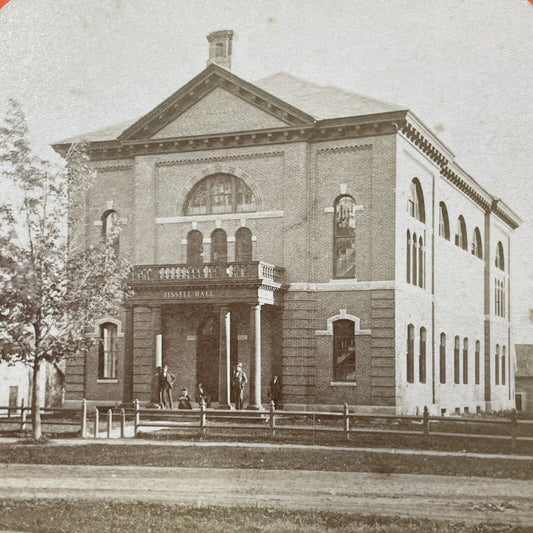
(468, 499)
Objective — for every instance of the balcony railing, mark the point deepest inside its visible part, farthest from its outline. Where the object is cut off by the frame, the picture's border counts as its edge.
(253, 270)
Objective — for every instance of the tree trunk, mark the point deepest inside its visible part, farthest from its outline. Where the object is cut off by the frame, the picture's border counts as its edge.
(36, 395)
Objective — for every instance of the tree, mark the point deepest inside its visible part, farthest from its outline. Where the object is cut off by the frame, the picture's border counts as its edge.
(53, 286)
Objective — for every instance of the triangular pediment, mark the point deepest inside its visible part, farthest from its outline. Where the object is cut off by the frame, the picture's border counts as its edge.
(215, 101)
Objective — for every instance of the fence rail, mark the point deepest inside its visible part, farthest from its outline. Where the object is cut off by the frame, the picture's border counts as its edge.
(271, 422)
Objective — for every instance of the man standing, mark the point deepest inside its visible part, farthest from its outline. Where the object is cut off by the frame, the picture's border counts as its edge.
(239, 381)
(166, 382)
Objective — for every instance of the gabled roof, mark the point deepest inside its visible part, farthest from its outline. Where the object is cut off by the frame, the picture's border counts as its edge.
(322, 102)
(297, 100)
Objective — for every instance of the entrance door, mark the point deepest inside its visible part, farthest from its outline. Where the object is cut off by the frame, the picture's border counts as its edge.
(207, 339)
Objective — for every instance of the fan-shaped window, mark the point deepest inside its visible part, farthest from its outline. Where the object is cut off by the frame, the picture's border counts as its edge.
(195, 250)
(243, 245)
(461, 239)
(107, 352)
(500, 260)
(444, 221)
(110, 229)
(415, 203)
(344, 238)
(477, 247)
(220, 193)
(219, 246)
(343, 350)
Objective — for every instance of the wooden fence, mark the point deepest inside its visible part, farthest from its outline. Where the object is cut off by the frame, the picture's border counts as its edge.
(271, 422)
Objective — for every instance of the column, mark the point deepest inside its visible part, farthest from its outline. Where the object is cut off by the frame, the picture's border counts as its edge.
(224, 388)
(255, 385)
(156, 346)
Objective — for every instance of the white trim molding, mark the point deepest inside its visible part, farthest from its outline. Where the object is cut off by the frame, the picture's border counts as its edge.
(343, 315)
(334, 285)
(217, 217)
(343, 384)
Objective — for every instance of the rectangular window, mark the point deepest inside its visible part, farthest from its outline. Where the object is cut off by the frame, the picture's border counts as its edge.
(477, 363)
(497, 366)
(422, 356)
(465, 361)
(343, 350)
(442, 358)
(13, 395)
(410, 353)
(456, 362)
(107, 352)
(504, 358)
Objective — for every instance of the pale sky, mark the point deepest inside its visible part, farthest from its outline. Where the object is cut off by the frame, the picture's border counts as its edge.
(465, 67)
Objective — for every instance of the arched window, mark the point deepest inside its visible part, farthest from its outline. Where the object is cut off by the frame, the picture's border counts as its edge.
(107, 351)
(442, 358)
(456, 362)
(408, 252)
(243, 245)
(444, 221)
(500, 260)
(343, 350)
(422, 357)
(195, 249)
(477, 247)
(415, 203)
(219, 246)
(504, 354)
(461, 239)
(420, 262)
(415, 259)
(465, 360)
(110, 230)
(344, 238)
(410, 353)
(497, 365)
(477, 362)
(220, 193)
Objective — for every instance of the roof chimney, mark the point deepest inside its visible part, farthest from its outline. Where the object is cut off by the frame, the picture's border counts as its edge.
(220, 48)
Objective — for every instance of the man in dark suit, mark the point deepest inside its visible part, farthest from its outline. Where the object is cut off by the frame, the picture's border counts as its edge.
(239, 381)
(166, 383)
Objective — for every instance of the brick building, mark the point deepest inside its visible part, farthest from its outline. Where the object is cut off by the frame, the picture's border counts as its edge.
(308, 232)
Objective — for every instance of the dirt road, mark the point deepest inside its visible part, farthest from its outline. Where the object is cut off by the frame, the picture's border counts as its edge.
(467, 499)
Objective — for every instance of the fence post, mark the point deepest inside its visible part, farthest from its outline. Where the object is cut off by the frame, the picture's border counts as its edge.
(122, 424)
(137, 418)
(425, 422)
(272, 419)
(22, 416)
(83, 429)
(514, 427)
(109, 422)
(96, 422)
(346, 420)
(203, 417)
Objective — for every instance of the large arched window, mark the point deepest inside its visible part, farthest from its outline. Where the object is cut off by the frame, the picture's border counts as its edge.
(442, 358)
(461, 238)
(110, 230)
(444, 221)
(344, 238)
(415, 203)
(477, 247)
(220, 193)
(500, 259)
(107, 351)
(422, 357)
(410, 353)
(243, 245)
(219, 246)
(195, 249)
(343, 350)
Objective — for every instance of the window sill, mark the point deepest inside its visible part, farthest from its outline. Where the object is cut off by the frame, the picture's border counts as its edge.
(107, 380)
(343, 384)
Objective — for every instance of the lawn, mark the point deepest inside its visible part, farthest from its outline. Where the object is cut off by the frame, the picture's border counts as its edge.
(159, 454)
(83, 516)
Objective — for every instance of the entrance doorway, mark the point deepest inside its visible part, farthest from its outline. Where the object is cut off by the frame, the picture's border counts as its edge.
(207, 339)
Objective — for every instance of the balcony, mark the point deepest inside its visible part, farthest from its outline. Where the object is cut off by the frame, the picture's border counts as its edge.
(206, 273)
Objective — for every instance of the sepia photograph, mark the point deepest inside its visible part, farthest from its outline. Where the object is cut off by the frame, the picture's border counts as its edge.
(266, 266)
